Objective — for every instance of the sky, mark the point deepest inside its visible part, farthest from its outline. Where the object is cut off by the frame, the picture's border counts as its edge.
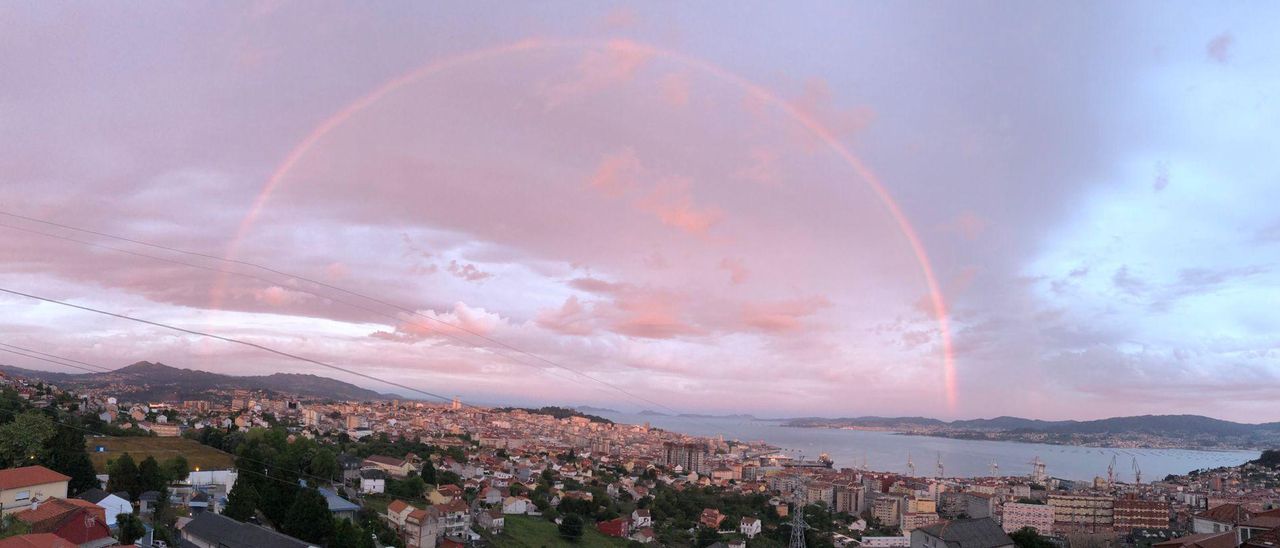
(1042, 209)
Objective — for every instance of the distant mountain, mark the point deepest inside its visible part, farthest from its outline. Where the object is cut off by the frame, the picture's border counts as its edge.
(589, 409)
(1180, 430)
(157, 381)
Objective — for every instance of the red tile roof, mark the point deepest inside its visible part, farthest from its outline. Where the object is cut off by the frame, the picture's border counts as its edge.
(1226, 513)
(28, 476)
(1225, 539)
(38, 540)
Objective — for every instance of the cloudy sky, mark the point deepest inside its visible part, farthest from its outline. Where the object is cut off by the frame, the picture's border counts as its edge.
(705, 208)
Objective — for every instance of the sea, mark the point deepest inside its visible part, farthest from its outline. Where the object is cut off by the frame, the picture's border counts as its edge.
(890, 451)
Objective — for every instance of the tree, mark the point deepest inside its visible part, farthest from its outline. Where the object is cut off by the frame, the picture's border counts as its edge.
(150, 477)
(23, 440)
(11, 526)
(707, 536)
(123, 476)
(1027, 537)
(428, 472)
(571, 527)
(308, 518)
(131, 528)
(345, 535)
(242, 502)
(66, 454)
(177, 468)
(324, 464)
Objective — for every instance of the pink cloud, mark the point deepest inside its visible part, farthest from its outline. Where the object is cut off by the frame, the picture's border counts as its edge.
(467, 271)
(601, 69)
(279, 296)
(970, 225)
(617, 174)
(782, 316)
(737, 272)
(571, 318)
(336, 271)
(816, 102)
(675, 89)
(763, 166)
(1219, 48)
(673, 204)
(461, 322)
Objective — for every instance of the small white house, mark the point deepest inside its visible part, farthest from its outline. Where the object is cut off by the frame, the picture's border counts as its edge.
(750, 527)
(112, 505)
(373, 481)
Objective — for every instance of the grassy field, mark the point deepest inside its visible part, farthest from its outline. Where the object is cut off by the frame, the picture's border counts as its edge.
(537, 532)
(198, 456)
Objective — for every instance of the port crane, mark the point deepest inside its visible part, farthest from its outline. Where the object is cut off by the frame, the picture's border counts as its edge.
(1137, 472)
(911, 466)
(1111, 473)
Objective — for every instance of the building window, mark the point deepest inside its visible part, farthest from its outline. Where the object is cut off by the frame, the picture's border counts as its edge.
(22, 495)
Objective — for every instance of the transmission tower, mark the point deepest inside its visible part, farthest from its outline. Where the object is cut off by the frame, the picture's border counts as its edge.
(797, 527)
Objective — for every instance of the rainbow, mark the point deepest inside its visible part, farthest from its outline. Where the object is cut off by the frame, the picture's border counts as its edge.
(335, 120)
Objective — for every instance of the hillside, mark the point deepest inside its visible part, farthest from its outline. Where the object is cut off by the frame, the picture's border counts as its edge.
(157, 381)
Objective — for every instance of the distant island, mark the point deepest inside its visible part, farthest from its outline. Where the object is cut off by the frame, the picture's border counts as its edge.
(1167, 431)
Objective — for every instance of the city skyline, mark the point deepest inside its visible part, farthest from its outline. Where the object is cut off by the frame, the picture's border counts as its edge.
(1016, 216)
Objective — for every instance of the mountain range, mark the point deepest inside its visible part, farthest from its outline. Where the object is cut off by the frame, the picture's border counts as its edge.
(160, 382)
(1170, 430)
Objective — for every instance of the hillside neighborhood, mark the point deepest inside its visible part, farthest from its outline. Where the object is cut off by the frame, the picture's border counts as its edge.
(311, 472)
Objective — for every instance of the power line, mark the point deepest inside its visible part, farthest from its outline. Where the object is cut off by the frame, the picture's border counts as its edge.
(335, 288)
(49, 360)
(65, 359)
(227, 339)
(273, 282)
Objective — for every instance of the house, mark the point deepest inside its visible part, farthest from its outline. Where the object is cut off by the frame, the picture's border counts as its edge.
(749, 527)
(644, 535)
(373, 480)
(710, 518)
(491, 520)
(491, 495)
(1223, 517)
(210, 530)
(516, 505)
(396, 468)
(111, 504)
(421, 528)
(36, 540)
(617, 527)
(455, 519)
(961, 533)
(340, 507)
(147, 502)
(641, 518)
(396, 513)
(1261, 523)
(351, 466)
(20, 486)
(80, 522)
(1223, 539)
